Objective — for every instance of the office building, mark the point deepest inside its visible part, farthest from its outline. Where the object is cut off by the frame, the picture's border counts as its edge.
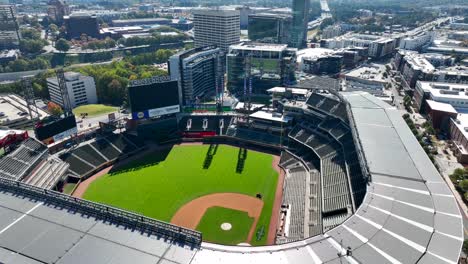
(379, 46)
(418, 42)
(332, 31)
(198, 72)
(141, 22)
(81, 89)
(270, 65)
(417, 67)
(269, 28)
(319, 61)
(216, 27)
(57, 10)
(9, 29)
(300, 18)
(455, 95)
(78, 24)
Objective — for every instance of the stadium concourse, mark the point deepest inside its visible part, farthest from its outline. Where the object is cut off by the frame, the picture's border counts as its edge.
(403, 213)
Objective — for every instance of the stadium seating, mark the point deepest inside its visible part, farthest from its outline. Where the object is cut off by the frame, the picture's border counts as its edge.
(330, 222)
(88, 154)
(336, 195)
(327, 104)
(108, 150)
(315, 204)
(314, 99)
(198, 123)
(18, 163)
(294, 195)
(93, 155)
(48, 173)
(77, 166)
(253, 135)
(340, 112)
(119, 142)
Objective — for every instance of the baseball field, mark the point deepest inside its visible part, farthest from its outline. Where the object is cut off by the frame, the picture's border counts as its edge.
(226, 192)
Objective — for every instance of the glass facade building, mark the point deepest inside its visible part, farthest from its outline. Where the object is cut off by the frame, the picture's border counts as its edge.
(266, 65)
(199, 73)
(269, 28)
(300, 18)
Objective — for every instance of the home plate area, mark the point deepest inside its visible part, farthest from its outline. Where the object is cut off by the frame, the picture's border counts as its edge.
(224, 225)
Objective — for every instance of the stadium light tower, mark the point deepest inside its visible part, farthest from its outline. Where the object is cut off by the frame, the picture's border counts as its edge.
(67, 109)
(29, 96)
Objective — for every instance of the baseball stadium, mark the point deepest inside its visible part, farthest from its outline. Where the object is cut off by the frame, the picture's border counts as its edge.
(317, 177)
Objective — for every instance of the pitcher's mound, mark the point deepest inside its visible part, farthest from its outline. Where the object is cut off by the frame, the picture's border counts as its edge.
(226, 226)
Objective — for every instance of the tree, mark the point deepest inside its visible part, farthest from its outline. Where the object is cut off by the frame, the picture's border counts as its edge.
(54, 109)
(62, 45)
(464, 185)
(30, 33)
(32, 46)
(53, 28)
(465, 246)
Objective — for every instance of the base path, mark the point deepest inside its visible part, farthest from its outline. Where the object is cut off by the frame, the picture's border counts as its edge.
(191, 213)
(274, 222)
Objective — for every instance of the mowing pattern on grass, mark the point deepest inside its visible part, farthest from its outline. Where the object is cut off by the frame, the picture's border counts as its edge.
(210, 226)
(94, 109)
(160, 183)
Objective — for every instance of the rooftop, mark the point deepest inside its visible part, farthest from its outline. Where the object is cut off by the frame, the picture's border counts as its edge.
(297, 91)
(259, 47)
(136, 20)
(313, 53)
(445, 90)
(14, 108)
(271, 116)
(462, 123)
(418, 62)
(441, 107)
(369, 73)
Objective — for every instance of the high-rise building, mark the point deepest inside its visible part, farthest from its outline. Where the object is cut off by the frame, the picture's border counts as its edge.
(81, 89)
(269, 28)
(57, 10)
(9, 30)
(78, 24)
(198, 72)
(259, 67)
(300, 18)
(216, 27)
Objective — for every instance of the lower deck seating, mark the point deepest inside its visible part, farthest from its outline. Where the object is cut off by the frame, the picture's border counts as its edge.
(76, 165)
(88, 154)
(48, 173)
(109, 151)
(294, 196)
(336, 194)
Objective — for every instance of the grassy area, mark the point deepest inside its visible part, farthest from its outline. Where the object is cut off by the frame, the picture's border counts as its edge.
(210, 226)
(68, 188)
(94, 109)
(160, 183)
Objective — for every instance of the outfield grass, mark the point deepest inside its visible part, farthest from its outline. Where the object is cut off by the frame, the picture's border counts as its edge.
(94, 109)
(160, 183)
(68, 188)
(210, 226)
